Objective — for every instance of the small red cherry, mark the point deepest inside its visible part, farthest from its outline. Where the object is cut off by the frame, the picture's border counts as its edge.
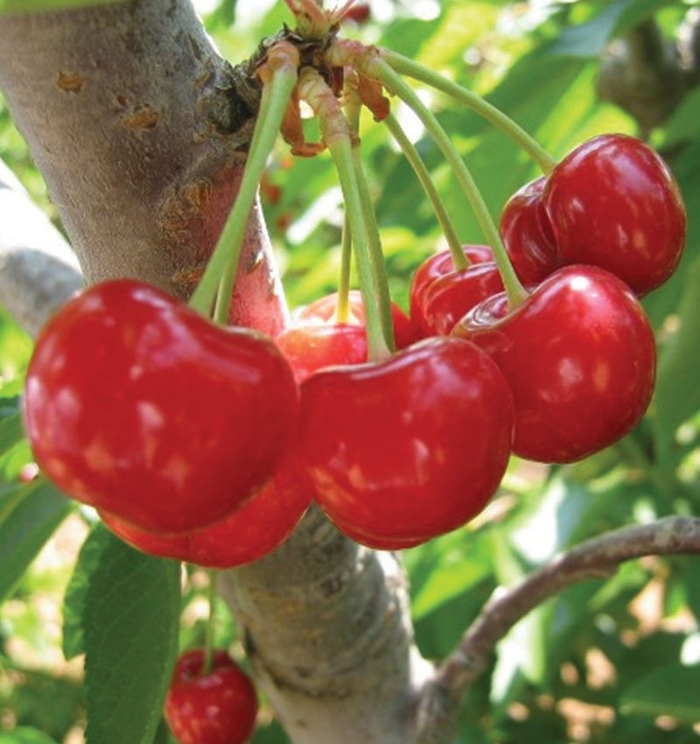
(436, 266)
(325, 309)
(215, 707)
(613, 202)
(527, 234)
(579, 356)
(310, 347)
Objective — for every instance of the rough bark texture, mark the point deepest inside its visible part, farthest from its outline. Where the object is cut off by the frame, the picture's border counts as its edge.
(140, 129)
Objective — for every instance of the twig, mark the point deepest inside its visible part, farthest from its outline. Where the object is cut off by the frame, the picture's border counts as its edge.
(598, 557)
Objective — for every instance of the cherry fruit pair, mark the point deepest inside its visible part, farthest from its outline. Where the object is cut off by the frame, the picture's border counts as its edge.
(163, 421)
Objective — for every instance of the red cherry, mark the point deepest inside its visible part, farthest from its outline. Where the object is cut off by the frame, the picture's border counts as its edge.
(527, 234)
(579, 355)
(452, 295)
(255, 529)
(324, 310)
(408, 448)
(218, 707)
(140, 407)
(436, 266)
(614, 203)
(309, 348)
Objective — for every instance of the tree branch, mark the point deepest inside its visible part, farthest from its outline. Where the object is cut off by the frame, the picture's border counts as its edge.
(38, 270)
(598, 557)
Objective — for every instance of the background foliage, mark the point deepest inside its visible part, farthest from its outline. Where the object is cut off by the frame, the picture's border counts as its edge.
(614, 660)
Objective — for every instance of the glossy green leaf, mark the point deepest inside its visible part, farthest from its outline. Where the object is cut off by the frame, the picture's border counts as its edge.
(130, 622)
(37, 6)
(36, 513)
(668, 691)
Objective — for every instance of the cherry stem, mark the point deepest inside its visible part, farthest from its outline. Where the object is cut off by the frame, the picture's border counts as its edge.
(337, 136)
(342, 311)
(353, 108)
(411, 153)
(280, 77)
(209, 629)
(410, 68)
(393, 82)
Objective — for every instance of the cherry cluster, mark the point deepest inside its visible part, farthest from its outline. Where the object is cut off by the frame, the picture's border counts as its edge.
(604, 228)
(207, 443)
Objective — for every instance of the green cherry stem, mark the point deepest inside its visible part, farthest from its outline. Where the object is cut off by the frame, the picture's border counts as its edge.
(353, 109)
(209, 630)
(395, 84)
(411, 153)
(336, 134)
(218, 279)
(410, 68)
(342, 312)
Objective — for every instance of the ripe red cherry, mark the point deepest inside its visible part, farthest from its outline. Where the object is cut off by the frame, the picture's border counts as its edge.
(434, 267)
(579, 356)
(255, 529)
(324, 310)
(140, 407)
(311, 347)
(527, 234)
(449, 297)
(613, 203)
(408, 448)
(218, 707)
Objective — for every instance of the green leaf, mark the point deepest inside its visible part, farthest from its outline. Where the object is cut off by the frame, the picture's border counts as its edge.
(27, 523)
(75, 596)
(130, 620)
(11, 432)
(25, 735)
(677, 395)
(36, 6)
(670, 690)
(587, 40)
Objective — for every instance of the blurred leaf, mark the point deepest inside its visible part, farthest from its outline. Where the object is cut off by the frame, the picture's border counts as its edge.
(587, 40)
(26, 527)
(11, 432)
(25, 735)
(130, 620)
(677, 394)
(669, 691)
